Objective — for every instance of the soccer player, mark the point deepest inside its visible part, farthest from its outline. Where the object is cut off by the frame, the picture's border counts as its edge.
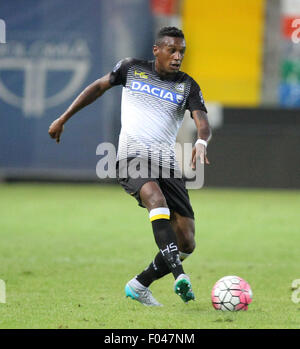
(154, 99)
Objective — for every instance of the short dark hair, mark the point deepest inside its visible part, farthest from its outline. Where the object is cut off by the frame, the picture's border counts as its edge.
(168, 31)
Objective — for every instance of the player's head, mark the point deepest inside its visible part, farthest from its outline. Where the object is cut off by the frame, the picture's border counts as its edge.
(169, 50)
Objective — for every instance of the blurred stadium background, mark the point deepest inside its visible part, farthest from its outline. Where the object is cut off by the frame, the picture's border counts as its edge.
(244, 54)
(66, 251)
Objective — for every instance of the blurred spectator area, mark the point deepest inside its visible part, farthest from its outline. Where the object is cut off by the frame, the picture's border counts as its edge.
(244, 54)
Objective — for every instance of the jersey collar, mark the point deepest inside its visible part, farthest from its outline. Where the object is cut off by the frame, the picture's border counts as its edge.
(172, 77)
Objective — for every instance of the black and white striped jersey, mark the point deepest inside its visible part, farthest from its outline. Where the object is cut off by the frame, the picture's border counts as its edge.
(152, 110)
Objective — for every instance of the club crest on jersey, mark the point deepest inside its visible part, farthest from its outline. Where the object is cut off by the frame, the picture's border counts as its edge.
(161, 93)
(180, 87)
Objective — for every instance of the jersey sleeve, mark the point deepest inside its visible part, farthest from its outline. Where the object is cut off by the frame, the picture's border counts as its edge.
(119, 74)
(195, 100)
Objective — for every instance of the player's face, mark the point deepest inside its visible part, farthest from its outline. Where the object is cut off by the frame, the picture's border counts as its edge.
(169, 55)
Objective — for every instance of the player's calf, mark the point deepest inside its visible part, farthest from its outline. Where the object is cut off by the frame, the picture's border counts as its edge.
(165, 239)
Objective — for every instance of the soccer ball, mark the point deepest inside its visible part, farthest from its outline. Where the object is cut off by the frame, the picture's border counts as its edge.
(231, 293)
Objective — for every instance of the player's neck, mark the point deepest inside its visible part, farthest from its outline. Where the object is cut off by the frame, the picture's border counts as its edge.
(163, 74)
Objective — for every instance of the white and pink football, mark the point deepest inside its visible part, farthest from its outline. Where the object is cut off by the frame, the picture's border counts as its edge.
(231, 293)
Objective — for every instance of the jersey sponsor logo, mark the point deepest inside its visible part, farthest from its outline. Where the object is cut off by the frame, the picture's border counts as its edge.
(141, 74)
(161, 93)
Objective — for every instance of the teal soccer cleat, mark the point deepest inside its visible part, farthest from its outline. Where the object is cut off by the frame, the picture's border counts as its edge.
(183, 288)
(135, 290)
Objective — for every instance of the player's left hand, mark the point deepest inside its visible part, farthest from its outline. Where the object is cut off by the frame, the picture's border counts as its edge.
(199, 153)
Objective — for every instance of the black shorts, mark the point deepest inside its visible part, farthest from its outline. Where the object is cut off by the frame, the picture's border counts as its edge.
(174, 190)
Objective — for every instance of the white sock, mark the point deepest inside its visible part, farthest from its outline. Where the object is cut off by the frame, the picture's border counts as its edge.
(137, 283)
(183, 255)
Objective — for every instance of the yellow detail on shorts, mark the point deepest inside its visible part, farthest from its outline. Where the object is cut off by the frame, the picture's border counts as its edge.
(159, 216)
(141, 74)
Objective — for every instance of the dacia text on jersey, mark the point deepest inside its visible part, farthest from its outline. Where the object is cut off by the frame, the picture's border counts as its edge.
(162, 93)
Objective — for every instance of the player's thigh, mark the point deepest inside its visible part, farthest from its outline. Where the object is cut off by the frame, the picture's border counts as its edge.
(152, 196)
(184, 228)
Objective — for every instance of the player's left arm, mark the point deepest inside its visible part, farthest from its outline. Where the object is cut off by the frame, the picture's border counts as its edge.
(204, 134)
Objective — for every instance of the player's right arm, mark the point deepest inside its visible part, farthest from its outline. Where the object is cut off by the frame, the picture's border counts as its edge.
(117, 77)
(86, 97)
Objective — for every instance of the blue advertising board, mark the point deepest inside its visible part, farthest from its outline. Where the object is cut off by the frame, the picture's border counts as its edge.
(53, 50)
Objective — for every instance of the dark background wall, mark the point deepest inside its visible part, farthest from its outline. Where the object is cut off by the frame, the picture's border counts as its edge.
(256, 148)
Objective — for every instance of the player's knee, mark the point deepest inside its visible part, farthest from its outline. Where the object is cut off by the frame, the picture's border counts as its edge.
(156, 200)
(152, 196)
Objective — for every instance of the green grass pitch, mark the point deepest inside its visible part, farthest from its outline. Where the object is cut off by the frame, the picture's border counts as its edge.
(67, 251)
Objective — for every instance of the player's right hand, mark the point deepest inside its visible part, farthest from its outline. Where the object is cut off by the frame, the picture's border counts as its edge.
(56, 129)
(199, 153)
